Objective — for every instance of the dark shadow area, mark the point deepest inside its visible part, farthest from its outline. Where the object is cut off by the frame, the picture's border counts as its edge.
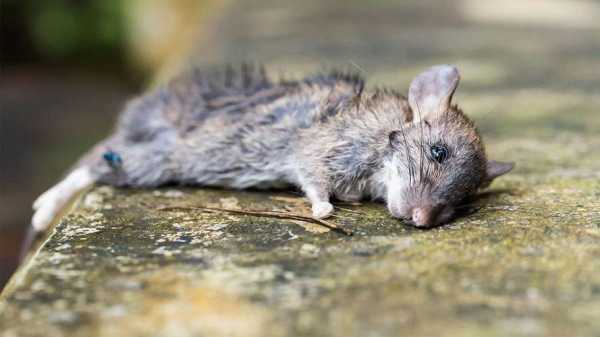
(473, 204)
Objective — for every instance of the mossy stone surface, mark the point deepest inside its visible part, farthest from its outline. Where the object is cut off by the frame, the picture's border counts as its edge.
(522, 260)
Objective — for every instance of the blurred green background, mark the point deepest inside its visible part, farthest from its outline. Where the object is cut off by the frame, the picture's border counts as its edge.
(67, 67)
(57, 30)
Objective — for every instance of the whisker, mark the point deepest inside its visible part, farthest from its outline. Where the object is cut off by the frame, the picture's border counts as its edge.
(355, 65)
(409, 158)
(420, 143)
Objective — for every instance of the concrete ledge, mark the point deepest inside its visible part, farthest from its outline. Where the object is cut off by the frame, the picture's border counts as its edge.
(115, 265)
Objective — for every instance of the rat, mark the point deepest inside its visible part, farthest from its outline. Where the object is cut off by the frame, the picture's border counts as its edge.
(324, 134)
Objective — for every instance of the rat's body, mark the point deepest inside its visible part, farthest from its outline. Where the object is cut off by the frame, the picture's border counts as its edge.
(322, 134)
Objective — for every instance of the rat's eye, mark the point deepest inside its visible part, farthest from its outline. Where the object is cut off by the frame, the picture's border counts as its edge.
(439, 153)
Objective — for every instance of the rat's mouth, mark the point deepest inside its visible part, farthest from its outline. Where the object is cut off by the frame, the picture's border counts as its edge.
(425, 216)
(426, 226)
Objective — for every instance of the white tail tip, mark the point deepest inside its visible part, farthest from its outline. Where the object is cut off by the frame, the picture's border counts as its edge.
(48, 205)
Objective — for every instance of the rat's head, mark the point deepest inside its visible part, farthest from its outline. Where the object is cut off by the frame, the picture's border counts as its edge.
(439, 159)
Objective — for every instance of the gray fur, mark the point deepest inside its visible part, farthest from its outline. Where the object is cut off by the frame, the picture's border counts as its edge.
(324, 134)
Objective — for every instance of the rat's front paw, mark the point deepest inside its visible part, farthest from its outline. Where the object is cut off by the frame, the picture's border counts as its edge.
(322, 210)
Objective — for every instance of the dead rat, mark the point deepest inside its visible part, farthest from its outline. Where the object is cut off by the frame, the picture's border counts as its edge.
(326, 135)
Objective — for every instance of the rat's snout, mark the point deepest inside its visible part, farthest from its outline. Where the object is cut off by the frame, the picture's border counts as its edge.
(431, 215)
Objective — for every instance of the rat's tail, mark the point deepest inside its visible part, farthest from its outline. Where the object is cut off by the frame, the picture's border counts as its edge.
(48, 205)
(51, 203)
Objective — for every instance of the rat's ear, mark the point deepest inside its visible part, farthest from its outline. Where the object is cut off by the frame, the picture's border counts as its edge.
(431, 91)
(495, 169)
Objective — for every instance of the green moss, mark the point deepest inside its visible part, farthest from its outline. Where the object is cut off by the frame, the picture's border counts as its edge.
(522, 260)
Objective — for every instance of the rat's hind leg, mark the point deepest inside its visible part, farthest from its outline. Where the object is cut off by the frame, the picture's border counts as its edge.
(113, 161)
(142, 164)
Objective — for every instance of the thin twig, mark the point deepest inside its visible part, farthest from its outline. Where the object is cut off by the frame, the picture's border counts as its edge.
(268, 214)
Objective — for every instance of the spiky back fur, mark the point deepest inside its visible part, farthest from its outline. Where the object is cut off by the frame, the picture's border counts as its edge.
(187, 101)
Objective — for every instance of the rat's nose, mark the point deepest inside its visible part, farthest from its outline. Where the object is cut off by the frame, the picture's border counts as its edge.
(426, 216)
